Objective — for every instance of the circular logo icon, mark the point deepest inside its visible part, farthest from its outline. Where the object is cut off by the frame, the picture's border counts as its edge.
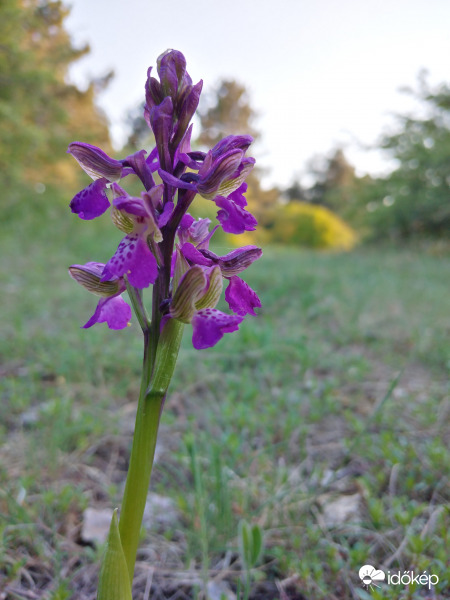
(369, 575)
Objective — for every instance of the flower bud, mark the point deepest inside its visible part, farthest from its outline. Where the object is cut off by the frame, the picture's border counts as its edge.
(96, 163)
(153, 95)
(186, 111)
(171, 66)
(161, 123)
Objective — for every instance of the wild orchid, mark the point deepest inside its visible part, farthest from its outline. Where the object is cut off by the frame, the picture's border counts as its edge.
(166, 248)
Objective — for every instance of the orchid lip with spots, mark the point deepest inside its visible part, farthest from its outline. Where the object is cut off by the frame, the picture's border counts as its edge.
(165, 250)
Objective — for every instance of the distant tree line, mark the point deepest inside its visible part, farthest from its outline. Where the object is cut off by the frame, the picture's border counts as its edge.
(41, 113)
(413, 200)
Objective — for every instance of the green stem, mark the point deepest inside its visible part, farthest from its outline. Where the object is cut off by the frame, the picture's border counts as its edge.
(140, 467)
(151, 399)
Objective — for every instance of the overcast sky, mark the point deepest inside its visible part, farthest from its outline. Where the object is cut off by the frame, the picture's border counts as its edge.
(320, 73)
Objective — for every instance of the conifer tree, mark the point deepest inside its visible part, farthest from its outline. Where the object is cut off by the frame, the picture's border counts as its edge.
(40, 113)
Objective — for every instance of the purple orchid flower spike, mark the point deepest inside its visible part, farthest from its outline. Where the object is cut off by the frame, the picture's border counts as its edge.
(165, 247)
(111, 308)
(153, 217)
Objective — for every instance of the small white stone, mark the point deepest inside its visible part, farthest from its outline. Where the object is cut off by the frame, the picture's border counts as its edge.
(96, 522)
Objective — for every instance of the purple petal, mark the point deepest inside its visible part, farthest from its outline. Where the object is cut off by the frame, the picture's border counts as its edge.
(230, 143)
(134, 259)
(238, 260)
(199, 230)
(191, 253)
(92, 201)
(142, 169)
(131, 205)
(166, 214)
(238, 195)
(186, 221)
(209, 325)
(115, 312)
(233, 218)
(152, 160)
(241, 298)
(178, 183)
(171, 70)
(183, 227)
(161, 122)
(95, 268)
(188, 108)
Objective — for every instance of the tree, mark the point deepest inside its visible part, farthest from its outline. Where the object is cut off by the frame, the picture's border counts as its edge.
(415, 198)
(141, 136)
(227, 112)
(337, 187)
(40, 114)
(334, 181)
(295, 192)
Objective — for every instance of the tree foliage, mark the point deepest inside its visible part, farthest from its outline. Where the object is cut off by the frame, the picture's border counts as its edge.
(335, 186)
(40, 113)
(227, 112)
(415, 198)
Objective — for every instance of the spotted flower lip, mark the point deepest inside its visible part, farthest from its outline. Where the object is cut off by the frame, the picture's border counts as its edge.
(232, 216)
(133, 256)
(92, 201)
(209, 326)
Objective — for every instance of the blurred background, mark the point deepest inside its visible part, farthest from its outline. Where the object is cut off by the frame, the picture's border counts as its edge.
(324, 422)
(348, 104)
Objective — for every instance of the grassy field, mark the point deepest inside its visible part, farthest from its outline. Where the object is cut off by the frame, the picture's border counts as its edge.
(324, 422)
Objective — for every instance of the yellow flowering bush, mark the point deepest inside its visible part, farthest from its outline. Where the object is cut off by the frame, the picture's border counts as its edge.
(302, 224)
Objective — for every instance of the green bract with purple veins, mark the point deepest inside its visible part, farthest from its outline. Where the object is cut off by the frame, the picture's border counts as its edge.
(163, 246)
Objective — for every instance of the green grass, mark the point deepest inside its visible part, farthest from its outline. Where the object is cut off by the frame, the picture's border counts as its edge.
(336, 392)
